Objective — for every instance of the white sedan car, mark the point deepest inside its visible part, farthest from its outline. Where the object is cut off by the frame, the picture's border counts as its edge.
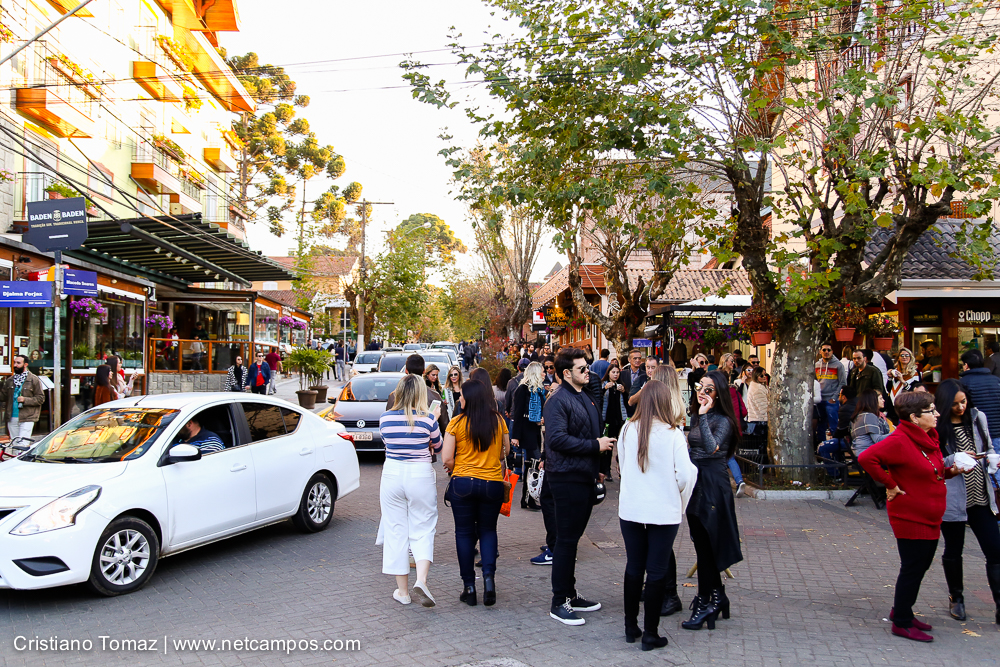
(102, 498)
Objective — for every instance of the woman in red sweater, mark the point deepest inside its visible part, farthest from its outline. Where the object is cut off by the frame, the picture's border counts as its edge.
(909, 463)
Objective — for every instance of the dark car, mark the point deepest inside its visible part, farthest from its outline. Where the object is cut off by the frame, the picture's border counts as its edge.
(360, 405)
(393, 362)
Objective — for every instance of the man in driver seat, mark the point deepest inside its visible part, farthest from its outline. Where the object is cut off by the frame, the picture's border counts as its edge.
(208, 442)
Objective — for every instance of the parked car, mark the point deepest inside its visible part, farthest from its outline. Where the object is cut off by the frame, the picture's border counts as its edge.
(440, 358)
(445, 345)
(365, 362)
(359, 406)
(392, 349)
(412, 347)
(393, 362)
(137, 493)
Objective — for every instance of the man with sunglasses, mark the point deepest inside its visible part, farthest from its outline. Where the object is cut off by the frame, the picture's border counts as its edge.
(572, 461)
(634, 373)
(831, 375)
(258, 376)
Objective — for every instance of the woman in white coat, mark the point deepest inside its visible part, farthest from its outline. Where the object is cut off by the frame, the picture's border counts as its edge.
(657, 479)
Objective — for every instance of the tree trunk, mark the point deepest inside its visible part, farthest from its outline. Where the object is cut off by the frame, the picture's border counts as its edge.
(790, 401)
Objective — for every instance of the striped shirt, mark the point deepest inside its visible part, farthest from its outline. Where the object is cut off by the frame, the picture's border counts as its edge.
(207, 442)
(409, 443)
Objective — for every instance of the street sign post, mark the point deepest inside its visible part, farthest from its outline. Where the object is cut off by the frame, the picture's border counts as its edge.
(25, 294)
(642, 342)
(55, 225)
(79, 283)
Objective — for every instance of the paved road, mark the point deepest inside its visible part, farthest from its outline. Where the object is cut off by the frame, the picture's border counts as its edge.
(815, 588)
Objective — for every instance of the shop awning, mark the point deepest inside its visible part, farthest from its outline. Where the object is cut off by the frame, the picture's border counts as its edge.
(185, 248)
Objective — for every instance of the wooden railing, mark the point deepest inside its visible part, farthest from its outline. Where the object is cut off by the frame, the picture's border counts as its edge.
(196, 356)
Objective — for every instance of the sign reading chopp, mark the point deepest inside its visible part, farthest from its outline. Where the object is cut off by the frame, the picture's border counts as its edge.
(57, 224)
(25, 294)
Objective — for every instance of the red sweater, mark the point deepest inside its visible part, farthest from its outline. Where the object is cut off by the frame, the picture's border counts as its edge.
(916, 514)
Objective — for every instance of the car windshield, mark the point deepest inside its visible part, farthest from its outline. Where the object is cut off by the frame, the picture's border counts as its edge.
(437, 359)
(369, 389)
(412, 346)
(103, 436)
(392, 364)
(368, 358)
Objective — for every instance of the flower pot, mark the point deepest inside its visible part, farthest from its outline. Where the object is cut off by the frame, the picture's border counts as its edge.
(844, 334)
(880, 344)
(761, 337)
(54, 195)
(307, 398)
(320, 393)
(858, 340)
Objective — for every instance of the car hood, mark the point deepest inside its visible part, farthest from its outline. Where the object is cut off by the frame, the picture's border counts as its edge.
(22, 479)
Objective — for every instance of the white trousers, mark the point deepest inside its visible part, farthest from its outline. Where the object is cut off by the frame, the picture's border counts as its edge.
(16, 428)
(408, 496)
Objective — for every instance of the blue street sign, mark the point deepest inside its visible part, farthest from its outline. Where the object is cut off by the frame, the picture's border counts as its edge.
(80, 283)
(25, 294)
(642, 342)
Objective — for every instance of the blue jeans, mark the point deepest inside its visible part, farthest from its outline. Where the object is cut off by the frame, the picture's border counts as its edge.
(475, 503)
(827, 415)
(734, 468)
(996, 475)
(831, 449)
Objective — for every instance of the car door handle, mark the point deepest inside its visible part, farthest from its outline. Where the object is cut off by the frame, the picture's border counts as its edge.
(238, 467)
(305, 451)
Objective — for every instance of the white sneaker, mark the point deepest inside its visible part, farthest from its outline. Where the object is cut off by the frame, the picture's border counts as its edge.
(741, 490)
(423, 596)
(400, 598)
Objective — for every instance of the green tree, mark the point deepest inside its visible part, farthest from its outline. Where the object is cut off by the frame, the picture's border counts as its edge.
(393, 290)
(439, 241)
(469, 305)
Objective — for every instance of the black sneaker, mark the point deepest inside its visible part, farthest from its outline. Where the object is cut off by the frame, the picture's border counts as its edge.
(583, 604)
(564, 613)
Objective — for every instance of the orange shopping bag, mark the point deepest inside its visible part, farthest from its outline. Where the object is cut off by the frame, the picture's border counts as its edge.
(509, 482)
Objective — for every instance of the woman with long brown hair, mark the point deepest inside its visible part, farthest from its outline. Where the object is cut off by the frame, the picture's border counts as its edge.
(104, 390)
(657, 479)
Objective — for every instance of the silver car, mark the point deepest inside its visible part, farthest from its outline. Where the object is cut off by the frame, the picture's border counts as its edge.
(365, 362)
(360, 405)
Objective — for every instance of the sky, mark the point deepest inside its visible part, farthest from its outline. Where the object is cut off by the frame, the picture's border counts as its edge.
(345, 56)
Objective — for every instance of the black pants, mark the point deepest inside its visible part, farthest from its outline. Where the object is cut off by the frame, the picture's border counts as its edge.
(606, 463)
(984, 527)
(548, 513)
(915, 557)
(572, 512)
(708, 571)
(649, 549)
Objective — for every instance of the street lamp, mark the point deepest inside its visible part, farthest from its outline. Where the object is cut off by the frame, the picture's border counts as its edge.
(482, 334)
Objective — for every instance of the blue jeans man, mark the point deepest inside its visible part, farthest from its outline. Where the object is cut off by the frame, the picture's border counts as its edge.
(827, 415)
(833, 450)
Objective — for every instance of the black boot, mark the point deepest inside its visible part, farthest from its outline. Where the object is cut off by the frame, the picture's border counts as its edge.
(468, 596)
(651, 615)
(671, 601)
(723, 603)
(706, 611)
(633, 591)
(489, 590)
(993, 577)
(953, 577)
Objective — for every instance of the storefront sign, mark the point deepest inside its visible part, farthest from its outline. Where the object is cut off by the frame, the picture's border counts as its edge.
(642, 342)
(25, 294)
(80, 283)
(926, 318)
(57, 224)
(538, 320)
(974, 316)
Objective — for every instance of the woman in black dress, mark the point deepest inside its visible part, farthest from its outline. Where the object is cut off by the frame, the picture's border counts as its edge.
(526, 428)
(711, 514)
(614, 414)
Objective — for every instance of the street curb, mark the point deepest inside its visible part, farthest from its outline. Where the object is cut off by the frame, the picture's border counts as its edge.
(807, 495)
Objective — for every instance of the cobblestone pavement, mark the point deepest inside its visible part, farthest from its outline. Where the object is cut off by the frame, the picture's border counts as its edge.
(815, 588)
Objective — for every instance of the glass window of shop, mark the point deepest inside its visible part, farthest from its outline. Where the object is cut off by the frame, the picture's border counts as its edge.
(299, 335)
(265, 324)
(5, 340)
(119, 332)
(33, 337)
(221, 321)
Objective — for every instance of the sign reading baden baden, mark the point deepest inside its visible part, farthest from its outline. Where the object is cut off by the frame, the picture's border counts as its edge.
(57, 224)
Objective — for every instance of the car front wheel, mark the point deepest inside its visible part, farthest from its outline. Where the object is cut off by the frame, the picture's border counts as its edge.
(316, 506)
(125, 557)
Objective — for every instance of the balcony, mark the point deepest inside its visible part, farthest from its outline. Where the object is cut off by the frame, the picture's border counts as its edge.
(221, 159)
(65, 5)
(157, 173)
(215, 74)
(203, 15)
(157, 81)
(60, 117)
(29, 186)
(188, 200)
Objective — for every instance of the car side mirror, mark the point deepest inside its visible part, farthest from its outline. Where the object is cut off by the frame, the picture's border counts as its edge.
(180, 453)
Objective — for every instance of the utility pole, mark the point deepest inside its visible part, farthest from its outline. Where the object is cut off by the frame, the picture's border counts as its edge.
(361, 293)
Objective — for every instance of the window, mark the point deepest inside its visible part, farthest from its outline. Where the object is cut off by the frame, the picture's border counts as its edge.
(100, 182)
(103, 436)
(265, 421)
(292, 419)
(215, 419)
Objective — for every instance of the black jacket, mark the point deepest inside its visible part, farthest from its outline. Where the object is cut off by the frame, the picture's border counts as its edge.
(593, 390)
(572, 426)
(983, 389)
(528, 433)
(627, 381)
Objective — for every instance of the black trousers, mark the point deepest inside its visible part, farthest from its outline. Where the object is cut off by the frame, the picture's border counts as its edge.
(915, 557)
(708, 571)
(649, 549)
(548, 513)
(984, 527)
(572, 513)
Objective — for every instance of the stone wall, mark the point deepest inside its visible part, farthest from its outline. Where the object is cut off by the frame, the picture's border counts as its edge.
(173, 383)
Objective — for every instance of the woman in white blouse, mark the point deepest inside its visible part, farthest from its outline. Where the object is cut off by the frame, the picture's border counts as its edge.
(657, 479)
(757, 397)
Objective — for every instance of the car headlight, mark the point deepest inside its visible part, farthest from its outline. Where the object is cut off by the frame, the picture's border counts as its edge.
(60, 513)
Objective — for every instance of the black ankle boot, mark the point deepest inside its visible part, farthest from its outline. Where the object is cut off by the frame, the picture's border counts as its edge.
(489, 591)
(651, 638)
(671, 604)
(993, 577)
(706, 611)
(633, 591)
(953, 577)
(723, 603)
(468, 596)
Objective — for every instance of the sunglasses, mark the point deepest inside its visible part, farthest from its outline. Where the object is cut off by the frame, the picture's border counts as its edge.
(549, 367)
(705, 389)
(826, 349)
(703, 363)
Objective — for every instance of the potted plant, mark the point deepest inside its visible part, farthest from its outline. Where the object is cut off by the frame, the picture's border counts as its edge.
(713, 338)
(81, 353)
(322, 362)
(759, 323)
(846, 318)
(882, 329)
(303, 360)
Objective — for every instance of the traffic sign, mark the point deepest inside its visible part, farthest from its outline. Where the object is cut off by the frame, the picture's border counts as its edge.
(57, 224)
(642, 342)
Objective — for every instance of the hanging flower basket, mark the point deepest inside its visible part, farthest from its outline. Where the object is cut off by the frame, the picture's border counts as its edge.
(844, 334)
(162, 321)
(87, 307)
(882, 344)
(286, 321)
(761, 337)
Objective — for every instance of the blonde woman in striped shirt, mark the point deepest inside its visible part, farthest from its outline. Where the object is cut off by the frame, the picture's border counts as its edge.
(408, 492)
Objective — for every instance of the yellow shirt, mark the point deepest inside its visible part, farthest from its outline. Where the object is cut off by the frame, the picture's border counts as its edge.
(469, 461)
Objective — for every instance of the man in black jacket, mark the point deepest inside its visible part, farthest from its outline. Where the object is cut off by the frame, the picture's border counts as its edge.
(572, 449)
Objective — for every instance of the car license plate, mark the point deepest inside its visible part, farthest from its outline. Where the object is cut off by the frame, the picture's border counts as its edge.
(361, 435)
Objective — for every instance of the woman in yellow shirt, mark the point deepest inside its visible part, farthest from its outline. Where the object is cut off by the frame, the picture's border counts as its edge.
(474, 445)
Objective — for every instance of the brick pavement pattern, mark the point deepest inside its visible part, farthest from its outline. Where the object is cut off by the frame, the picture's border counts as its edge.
(815, 589)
